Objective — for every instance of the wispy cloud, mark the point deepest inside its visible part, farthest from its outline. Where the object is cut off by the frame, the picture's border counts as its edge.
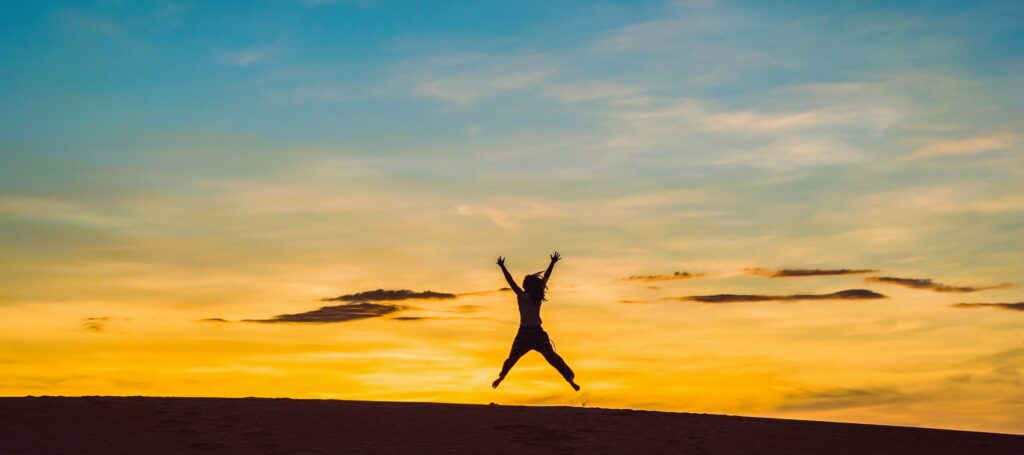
(919, 201)
(218, 320)
(788, 273)
(669, 34)
(795, 152)
(411, 318)
(119, 21)
(511, 213)
(79, 21)
(52, 210)
(841, 398)
(466, 80)
(390, 294)
(337, 313)
(709, 118)
(928, 284)
(849, 294)
(514, 212)
(1015, 306)
(476, 293)
(347, 3)
(577, 93)
(245, 57)
(98, 324)
(675, 276)
(802, 136)
(969, 146)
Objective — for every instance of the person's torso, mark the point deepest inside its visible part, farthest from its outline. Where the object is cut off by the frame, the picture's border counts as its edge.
(529, 310)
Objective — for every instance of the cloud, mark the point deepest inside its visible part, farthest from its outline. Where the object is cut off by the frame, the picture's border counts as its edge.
(52, 210)
(167, 14)
(962, 147)
(514, 212)
(75, 20)
(464, 80)
(577, 92)
(790, 153)
(511, 213)
(347, 3)
(95, 324)
(336, 313)
(364, 309)
(788, 273)
(148, 17)
(245, 57)
(849, 294)
(476, 293)
(709, 118)
(390, 294)
(841, 398)
(925, 283)
(780, 140)
(675, 276)
(1016, 306)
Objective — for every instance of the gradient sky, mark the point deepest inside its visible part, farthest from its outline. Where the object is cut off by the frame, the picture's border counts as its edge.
(166, 162)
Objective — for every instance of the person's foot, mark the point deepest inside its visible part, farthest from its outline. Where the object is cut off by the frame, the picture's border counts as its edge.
(494, 385)
(575, 386)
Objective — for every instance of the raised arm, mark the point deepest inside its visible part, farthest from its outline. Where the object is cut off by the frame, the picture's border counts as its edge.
(555, 257)
(508, 276)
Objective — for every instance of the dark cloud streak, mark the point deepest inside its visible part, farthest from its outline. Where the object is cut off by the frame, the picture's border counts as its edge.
(791, 273)
(676, 276)
(336, 313)
(95, 324)
(849, 294)
(1016, 306)
(928, 284)
(390, 294)
(476, 293)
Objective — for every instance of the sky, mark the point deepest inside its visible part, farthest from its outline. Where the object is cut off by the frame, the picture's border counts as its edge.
(789, 209)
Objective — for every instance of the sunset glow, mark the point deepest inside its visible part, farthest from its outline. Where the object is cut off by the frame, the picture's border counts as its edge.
(721, 178)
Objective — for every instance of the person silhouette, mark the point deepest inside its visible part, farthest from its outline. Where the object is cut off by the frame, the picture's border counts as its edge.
(531, 336)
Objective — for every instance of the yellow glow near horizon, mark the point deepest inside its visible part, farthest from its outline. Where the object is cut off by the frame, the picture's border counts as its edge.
(656, 354)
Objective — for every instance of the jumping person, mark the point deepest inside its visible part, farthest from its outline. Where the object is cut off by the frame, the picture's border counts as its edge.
(531, 336)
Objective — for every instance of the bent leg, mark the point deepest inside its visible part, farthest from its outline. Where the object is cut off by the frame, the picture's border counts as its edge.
(517, 351)
(556, 361)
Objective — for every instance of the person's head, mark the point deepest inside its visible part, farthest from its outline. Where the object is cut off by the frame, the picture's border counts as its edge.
(534, 286)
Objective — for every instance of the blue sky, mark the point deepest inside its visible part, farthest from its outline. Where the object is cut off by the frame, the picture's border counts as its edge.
(173, 161)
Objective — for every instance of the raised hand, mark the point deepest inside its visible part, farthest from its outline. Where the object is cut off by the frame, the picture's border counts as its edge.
(555, 257)
(501, 261)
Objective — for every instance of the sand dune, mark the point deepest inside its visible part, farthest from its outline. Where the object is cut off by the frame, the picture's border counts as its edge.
(262, 426)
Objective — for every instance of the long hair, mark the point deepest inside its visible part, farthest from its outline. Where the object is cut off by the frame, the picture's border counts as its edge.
(535, 286)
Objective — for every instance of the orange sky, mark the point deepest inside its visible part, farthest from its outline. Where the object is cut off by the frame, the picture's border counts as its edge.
(168, 162)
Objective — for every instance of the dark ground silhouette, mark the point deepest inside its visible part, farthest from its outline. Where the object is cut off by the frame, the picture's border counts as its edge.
(139, 425)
